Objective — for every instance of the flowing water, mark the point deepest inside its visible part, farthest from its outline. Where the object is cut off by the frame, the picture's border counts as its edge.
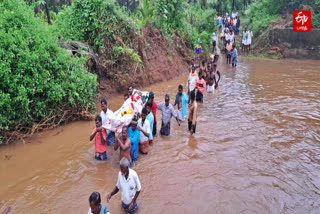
(256, 150)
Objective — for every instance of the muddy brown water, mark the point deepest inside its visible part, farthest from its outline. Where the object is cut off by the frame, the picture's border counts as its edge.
(256, 150)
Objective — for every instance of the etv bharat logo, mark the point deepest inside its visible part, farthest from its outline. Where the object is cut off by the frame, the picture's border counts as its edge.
(302, 20)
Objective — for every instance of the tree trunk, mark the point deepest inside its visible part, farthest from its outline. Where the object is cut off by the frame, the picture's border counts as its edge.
(62, 2)
(232, 5)
(69, 2)
(48, 13)
(37, 8)
(54, 6)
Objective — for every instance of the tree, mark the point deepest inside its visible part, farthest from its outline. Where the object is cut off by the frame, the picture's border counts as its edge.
(54, 6)
(48, 12)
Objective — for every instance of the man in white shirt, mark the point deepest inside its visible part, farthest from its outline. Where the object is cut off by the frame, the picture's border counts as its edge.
(105, 116)
(144, 128)
(129, 184)
(192, 80)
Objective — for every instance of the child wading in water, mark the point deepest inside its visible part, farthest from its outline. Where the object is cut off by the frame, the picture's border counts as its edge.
(234, 55)
(99, 134)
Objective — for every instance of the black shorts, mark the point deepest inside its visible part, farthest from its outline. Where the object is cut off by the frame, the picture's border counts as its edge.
(199, 97)
(190, 125)
(214, 44)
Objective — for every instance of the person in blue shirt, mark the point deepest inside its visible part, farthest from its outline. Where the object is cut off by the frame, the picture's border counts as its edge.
(234, 55)
(182, 102)
(134, 135)
(95, 204)
(150, 118)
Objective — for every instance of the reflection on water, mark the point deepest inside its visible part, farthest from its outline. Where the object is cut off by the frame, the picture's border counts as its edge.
(256, 150)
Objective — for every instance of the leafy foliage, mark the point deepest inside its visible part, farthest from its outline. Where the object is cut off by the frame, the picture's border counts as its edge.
(261, 13)
(109, 30)
(37, 78)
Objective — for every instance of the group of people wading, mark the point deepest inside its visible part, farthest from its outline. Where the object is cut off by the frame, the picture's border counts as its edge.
(138, 136)
(229, 27)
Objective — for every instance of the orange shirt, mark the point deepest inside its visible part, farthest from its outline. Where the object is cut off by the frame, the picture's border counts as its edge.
(229, 47)
(99, 147)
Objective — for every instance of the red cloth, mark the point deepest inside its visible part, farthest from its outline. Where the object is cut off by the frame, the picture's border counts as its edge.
(99, 147)
(154, 111)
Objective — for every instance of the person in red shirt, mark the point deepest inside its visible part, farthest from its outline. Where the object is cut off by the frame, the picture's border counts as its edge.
(201, 87)
(99, 134)
(154, 111)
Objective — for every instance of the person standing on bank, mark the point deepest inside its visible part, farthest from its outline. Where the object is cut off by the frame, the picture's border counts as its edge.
(95, 204)
(129, 184)
(167, 113)
(154, 112)
(214, 41)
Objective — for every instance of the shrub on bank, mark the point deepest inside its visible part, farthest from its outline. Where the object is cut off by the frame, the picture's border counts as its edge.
(39, 81)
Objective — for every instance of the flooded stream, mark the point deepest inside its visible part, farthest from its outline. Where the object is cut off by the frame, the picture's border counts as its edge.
(256, 150)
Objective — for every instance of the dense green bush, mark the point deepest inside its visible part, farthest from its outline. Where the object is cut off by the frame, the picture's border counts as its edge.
(205, 38)
(202, 20)
(109, 30)
(37, 78)
(96, 22)
(169, 15)
(262, 12)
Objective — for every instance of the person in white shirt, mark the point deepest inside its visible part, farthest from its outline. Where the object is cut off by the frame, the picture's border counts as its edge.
(192, 80)
(144, 128)
(231, 37)
(214, 39)
(129, 184)
(105, 115)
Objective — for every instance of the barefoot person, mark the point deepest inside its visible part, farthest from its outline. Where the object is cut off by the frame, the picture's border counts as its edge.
(217, 75)
(154, 112)
(182, 102)
(123, 141)
(134, 135)
(234, 55)
(167, 113)
(95, 204)
(214, 41)
(105, 114)
(193, 108)
(211, 81)
(144, 128)
(130, 89)
(192, 79)
(125, 97)
(201, 87)
(150, 118)
(228, 48)
(99, 134)
(129, 184)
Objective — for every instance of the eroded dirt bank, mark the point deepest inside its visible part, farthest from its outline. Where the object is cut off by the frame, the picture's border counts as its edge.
(162, 60)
